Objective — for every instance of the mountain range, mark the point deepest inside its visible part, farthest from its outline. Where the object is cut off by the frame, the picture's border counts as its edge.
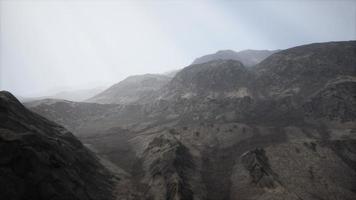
(136, 89)
(67, 94)
(278, 126)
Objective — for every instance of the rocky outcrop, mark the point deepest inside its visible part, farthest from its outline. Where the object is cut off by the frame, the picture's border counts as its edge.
(256, 162)
(169, 165)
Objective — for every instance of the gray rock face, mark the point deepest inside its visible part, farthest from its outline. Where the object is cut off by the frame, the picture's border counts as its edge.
(41, 160)
(131, 89)
(247, 57)
(283, 129)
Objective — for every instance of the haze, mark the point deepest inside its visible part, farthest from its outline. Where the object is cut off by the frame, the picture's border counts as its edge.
(48, 46)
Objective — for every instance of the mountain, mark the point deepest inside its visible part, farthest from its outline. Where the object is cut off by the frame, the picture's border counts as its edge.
(131, 89)
(42, 160)
(282, 129)
(70, 95)
(77, 95)
(247, 57)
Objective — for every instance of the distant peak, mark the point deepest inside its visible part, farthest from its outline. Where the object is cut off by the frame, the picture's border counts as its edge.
(226, 51)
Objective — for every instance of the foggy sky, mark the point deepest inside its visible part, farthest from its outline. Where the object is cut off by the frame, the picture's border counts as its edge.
(51, 45)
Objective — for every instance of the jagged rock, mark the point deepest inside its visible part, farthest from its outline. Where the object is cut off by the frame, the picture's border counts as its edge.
(256, 162)
(170, 164)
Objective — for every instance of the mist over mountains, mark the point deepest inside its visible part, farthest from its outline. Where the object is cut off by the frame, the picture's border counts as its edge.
(272, 125)
(66, 94)
(135, 89)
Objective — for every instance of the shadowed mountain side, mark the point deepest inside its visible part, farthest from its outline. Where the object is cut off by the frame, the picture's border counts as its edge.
(42, 160)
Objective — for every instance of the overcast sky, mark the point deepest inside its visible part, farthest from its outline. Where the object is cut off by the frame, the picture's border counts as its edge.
(47, 45)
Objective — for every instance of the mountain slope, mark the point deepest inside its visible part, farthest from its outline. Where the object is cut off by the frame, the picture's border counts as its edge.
(247, 57)
(41, 160)
(131, 89)
(303, 70)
